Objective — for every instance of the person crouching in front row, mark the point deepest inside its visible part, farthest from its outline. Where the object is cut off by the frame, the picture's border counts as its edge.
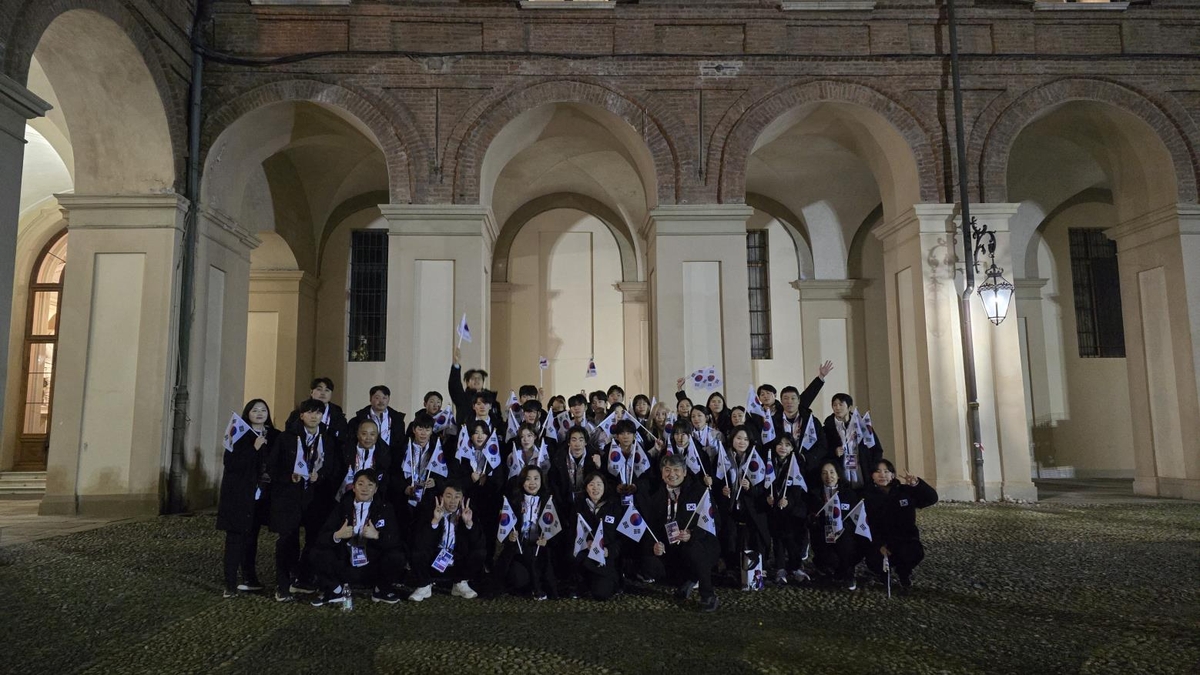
(360, 543)
(447, 544)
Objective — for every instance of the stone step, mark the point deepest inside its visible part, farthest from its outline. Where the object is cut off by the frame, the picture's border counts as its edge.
(22, 484)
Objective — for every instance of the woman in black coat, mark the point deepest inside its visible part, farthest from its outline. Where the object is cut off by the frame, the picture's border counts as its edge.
(599, 505)
(742, 505)
(483, 483)
(892, 504)
(244, 504)
(523, 565)
(787, 513)
(836, 548)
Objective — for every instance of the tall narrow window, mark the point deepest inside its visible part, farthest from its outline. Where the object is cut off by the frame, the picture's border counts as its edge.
(1097, 287)
(758, 268)
(368, 295)
(41, 339)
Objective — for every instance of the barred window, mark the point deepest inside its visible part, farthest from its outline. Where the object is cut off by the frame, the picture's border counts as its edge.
(758, 268)
(368, 295)
(1097, 287)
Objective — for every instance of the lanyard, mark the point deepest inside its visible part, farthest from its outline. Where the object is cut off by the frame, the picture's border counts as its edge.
(362, 511)
(672, 504)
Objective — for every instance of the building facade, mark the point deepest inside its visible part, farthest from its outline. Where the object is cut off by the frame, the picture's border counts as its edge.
(657, 185)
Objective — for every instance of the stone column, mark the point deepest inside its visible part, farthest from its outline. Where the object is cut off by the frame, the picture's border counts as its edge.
(698, 294)
(1160, 302)
(17, 104)
(283, 302)
(439, 266)
(1031, 322)
(109, 447)
(833, 325)
(501, 356)
(637, 333)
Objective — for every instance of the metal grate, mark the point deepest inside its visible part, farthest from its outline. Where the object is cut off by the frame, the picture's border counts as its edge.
(759, 272)
(368, 295)
(1097, 287)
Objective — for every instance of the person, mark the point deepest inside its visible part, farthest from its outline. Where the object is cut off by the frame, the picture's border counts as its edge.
(332, 415)
(683, 406)
(641, 409)
(891, 503)
(360, 543)
(482, 483)
(615, 394)
(482, 407)
(244, 501)
(659, 414)
(836, 550)
(523, 566)
(386, 418)
(557, 405)
(792, 408)
(626, 463)
(598, 506)
(305, 474)
(577, 415)
(687, 555)
(720, 412)
(527, 449)
(708, 439)
(787, 514)
(447, 544)
(742, 502)
(463, 397)
(854, 457)
(569, 466)
(598, 406)
(366, 451)
(683, 443)
(793, 418)
(420, 470)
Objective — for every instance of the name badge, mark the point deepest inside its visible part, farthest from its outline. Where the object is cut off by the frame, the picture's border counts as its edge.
(416, 496)
(672, 532)
(257, 494)
(358, 556)
(610, 520)
(443, 560)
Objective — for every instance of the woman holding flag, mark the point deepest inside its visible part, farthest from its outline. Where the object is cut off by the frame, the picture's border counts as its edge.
(741, 487)
(533, 520)
(481, 471)
(245, 488)
(787, 512)
(892, 502)
(836, 547)
(527, 450)
(598, 513)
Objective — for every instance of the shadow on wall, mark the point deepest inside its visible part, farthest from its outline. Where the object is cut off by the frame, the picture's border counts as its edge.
(202, 489)
(1045, 457)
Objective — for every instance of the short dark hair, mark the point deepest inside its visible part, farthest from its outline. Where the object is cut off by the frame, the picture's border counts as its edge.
(891, 467)
(527, 390)
(452, 484)
(682, 426)
(381, 387)
(639, 398)
(685, 398)
(322, 380)
(532, 405)
(311, 405)
(615, 388)
(480, 396)
(672, 460)
(526, 426)
(717, 394)
(478, 423)
(625, 426)
(844, 398)
(369, 474)
(431, 394)
(577, 430)
(737, 407)
(468, 374)
(597, 395)
(250, 404)
(556, 397)
(766, 387)
(786, 438)
(789, 390)
(422, 419)
(577, 399)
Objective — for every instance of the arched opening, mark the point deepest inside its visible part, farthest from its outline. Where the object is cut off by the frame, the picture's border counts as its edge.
(840, 168)
(1079, 169)
(570, 183)
(299, 175)
(41, 339)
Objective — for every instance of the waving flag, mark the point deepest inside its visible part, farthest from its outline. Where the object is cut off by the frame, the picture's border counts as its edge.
(591, 369)
(769, 475)
(810, 434)
(491, 451)
(582, 530)
(412, 460)
(234, 432)
(508, 520)
(616, 462)
(543, 363)
(706, 515)
(755, 468)
(697, 378)
(833, 509)
(607, 424)
(516, 462)
(753, 407)
(548, 427)
(437, 461)
(464, 331)
(443, 419)
(868, 431)
(669, 425)
(632, 525)
(515, 415)
(724, 466)
(641, 463)
(543, 458)
(794, 477)
(712, 380)
(562, 422)
(465, 452)
(692, 458)
(549, 522)
(858, 515)
(598, 550)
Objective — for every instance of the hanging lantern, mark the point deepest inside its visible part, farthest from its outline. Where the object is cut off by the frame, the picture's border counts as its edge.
(996, 294)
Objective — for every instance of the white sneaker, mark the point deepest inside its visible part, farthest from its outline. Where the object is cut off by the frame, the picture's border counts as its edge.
(801, 576)
(422, 593)
(463, 590)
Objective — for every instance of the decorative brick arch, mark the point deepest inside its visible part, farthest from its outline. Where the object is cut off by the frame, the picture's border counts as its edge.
(997, 129)
(468, 148)
(745, 122)
(400, 179)
(31, 21)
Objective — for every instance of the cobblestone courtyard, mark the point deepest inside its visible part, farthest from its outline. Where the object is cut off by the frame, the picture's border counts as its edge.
(1004, 589)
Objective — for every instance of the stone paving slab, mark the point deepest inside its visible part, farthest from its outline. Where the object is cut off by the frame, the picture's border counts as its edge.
(21, 524)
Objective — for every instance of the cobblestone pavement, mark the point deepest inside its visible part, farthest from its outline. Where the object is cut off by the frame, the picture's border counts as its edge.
(1004, 589)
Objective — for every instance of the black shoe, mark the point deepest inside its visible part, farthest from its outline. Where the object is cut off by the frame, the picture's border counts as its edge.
(710, 604)
(390, 597)
(284, 596)
(685, 590)
(327, 598)
(303, 587)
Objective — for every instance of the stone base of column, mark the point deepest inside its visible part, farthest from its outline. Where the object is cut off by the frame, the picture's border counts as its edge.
(955, 491)
(101, 506)
(1172, 488)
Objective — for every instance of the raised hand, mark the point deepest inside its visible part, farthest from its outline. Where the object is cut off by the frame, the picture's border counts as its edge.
(369, 531)
(825, 369)
(679, 383)
(345, 531)
(439, 511)
(467, 514)
(457, 356)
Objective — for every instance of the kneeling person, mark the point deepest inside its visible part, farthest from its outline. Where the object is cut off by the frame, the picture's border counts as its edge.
(446, 543)
(359, 543)
(683, 555)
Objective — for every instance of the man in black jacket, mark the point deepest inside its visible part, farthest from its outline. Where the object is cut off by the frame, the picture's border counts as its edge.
(446, 543)
(332, 415)
(359, 543)
(687, 556)
(463, 398)
(389, 421)
(306, 472)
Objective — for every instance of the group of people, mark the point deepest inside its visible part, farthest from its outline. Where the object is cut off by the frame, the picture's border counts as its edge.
(577, 495)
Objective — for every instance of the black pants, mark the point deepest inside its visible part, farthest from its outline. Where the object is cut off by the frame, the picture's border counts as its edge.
(788, 539)
(241, 551)
(905, 556)
(527, 569)
(333, 568)
(691, 561)
(838, 557)
(468, 563)
(600, 581)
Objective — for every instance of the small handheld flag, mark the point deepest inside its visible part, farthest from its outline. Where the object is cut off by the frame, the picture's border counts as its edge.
(868, 431)
(543, 363)
(794, 477)
(508, 520)
(755, 468)
(549, 522)
(810, 435)
(234, 432)
(616, 462)
(491, 451)
(632, 525)
(465, 451)
(858, 515)
(706, 515)
(582, 530)
(437, 462)
(464, 331)
(591, 369)
(598, 550)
